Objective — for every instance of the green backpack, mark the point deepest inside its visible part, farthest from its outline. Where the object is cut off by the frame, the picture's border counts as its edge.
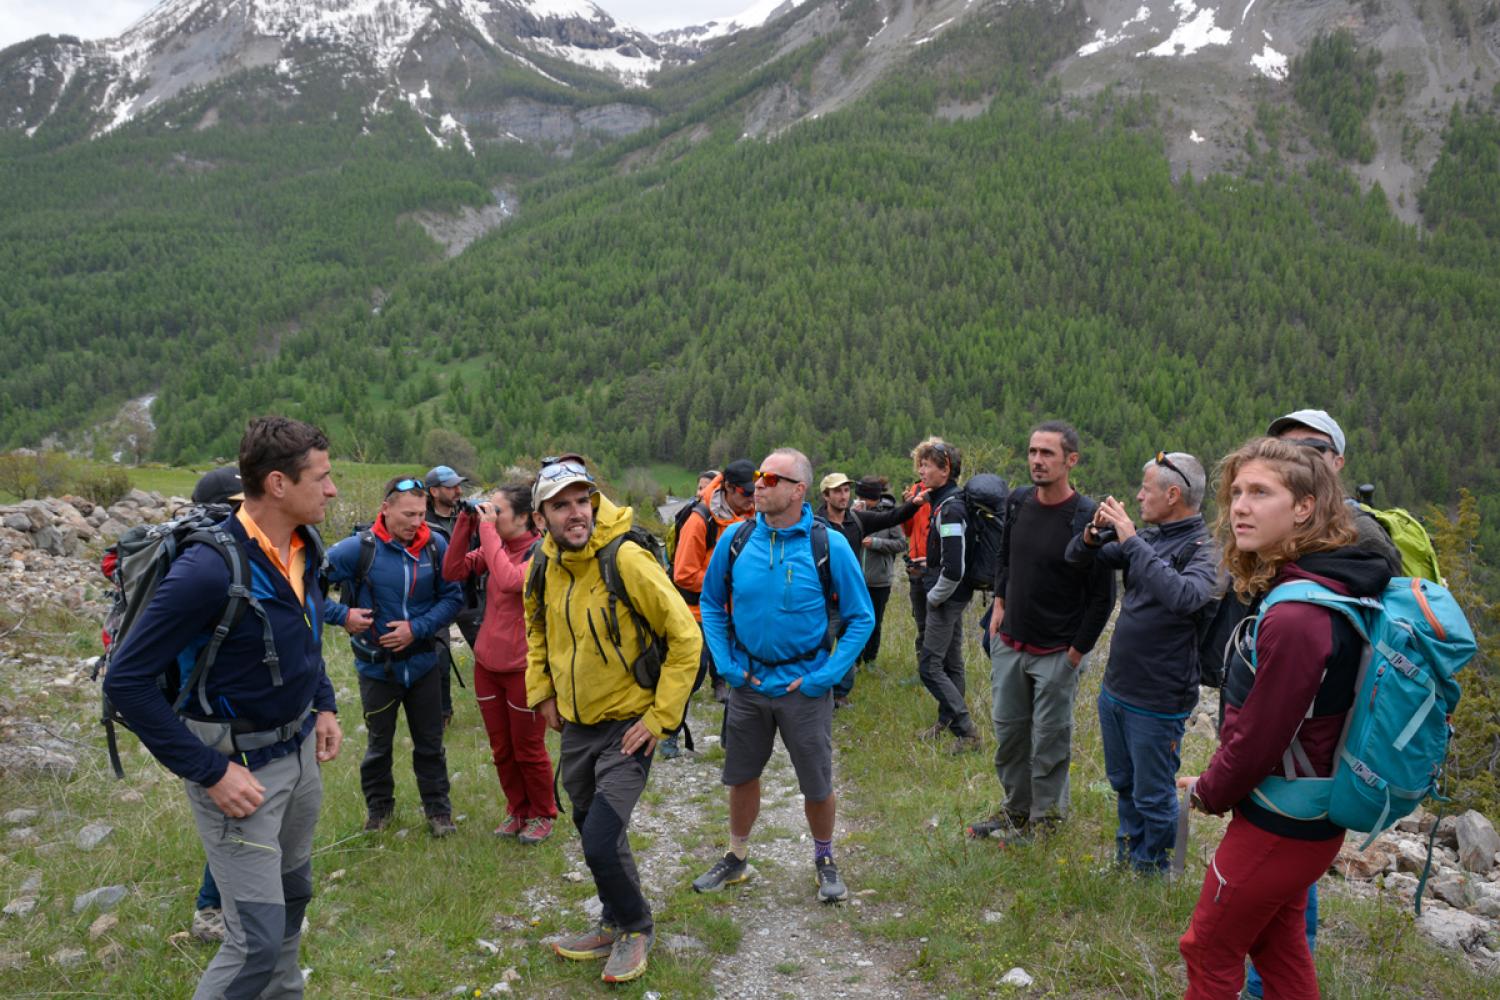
(1418, 556)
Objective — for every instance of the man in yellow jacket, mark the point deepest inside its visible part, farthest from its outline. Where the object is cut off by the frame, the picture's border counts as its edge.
(579, 676)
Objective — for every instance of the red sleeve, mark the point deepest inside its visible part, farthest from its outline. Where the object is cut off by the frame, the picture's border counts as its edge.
(461, 562)
(1291, 652)
(505, 575)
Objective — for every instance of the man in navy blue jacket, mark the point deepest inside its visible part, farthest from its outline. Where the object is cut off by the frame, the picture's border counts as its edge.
(250, 763)
(1151, 681)
(399, 609)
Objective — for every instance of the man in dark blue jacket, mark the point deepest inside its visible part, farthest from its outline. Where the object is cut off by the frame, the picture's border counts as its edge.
(398, 609)
(250, 760)
(1151, 682)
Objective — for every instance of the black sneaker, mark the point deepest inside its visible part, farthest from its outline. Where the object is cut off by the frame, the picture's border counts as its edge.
(999, 825)
(831, 888)
(728, 870)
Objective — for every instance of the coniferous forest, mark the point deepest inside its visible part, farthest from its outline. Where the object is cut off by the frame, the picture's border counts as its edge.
(849, 286)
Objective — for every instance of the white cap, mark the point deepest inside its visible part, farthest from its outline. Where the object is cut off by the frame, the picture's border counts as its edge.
(1317, 420)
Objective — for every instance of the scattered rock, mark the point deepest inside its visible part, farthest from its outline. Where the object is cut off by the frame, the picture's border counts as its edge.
(488, 947)
(105, 898)
(1453, 891)
(20, 907)
(66, 958)
(39, 760)
(1354, 864)
(23, 836)
(678, 943)
(1453, 929)
(1477, 841)
(592, 908)
(993, 916)
(93, 835)
(18, 817)
(1411, 857)
(102, 926)
(1016, 977)
(572, 876)
(111, 955)
(1447, 832)
(129, 795)
(12, 961)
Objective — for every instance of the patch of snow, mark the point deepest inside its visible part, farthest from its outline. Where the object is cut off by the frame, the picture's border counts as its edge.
(1271, 63)
(753, 16)
(1102, 41)
(1195, 31)
(1194, 136)
(563, 9)
(633, 71)
(933, 33)
(449, 125)
(1246, 12)
(382, 28)
(474, 14)
(426, 91)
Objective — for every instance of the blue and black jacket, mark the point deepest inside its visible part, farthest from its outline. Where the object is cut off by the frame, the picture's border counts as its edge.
(174, 627)
(404, 583)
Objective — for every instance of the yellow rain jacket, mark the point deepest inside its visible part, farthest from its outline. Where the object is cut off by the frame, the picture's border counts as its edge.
(568, 651)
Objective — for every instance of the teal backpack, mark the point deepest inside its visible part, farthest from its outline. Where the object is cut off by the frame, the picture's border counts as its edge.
(1395, 739)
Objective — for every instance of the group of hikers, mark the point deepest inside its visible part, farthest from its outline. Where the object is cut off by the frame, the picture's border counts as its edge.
(581, 622)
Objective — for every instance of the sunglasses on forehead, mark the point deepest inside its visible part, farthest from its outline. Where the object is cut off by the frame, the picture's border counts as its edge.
(563, 469)
(1162, 459)
(773, 479)
(1316, 444)
(406, 486)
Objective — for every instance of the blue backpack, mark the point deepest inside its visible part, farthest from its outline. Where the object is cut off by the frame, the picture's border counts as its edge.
(1395, 740)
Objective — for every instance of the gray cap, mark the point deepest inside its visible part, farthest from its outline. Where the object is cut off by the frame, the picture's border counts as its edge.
(1317, 420)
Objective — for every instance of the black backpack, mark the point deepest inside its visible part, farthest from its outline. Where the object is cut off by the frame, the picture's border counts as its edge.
(646, 670)
(984, 497)
(818, 536)
(143, 555)
(710, 535)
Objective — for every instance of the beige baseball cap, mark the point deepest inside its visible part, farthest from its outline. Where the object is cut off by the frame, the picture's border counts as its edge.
(832, 481)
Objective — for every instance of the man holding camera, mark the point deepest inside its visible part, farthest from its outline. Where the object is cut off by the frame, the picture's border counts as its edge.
(397, 607)
(1151, 681)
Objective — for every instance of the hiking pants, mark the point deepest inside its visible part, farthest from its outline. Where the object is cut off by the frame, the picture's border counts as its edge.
(263, 866)
(879, 596)
(1141, 756)
(1253, 984)
(1254, 902)
(424, 718)
(919, 611)
(1032, 709)
(941, 665)
(604, 785)
(518, 743)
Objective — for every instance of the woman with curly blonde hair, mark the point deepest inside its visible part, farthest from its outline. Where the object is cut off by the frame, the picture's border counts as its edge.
(1289, 682)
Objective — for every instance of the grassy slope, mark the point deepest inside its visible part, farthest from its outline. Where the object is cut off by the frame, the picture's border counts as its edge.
(399, 915)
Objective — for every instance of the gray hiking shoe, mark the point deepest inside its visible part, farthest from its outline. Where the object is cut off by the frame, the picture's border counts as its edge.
(208, 925)
(669, 748)
(627, 960)
(590, 944)
(728, 870)
(442, 825)
(831, 888)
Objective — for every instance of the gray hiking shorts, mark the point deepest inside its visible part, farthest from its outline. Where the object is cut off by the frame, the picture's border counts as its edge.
(751, 722)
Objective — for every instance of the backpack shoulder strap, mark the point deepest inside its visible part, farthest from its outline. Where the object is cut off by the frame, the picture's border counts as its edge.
(238, 598)
(822, 560)
(366, 560)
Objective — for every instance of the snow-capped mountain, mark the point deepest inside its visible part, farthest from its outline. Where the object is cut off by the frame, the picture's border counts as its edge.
(180, 44)
(751, 17)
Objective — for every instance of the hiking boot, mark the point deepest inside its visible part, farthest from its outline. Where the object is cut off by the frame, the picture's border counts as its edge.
(933, 732)
(588, 945)
(208, 925)
(627, 959)
(721, 692)
(669, 748)
(968, 743)
(441, 825)
(997, 826)
(728, 870)
(841, 701)
(376, 822)
(512, 827)
(831, 888)
(538, 829)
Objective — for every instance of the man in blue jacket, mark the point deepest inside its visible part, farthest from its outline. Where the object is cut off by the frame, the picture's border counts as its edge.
(1151, 681)
(396, 608)
(793, 632)
(249, 741)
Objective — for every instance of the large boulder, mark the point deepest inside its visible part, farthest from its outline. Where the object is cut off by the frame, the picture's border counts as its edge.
(1453, 929)
(1477, 841)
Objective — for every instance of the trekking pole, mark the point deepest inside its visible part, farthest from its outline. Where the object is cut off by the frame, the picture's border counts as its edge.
(1180, 848)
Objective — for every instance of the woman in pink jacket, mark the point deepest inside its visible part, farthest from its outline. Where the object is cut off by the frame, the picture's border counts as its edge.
(517, 734)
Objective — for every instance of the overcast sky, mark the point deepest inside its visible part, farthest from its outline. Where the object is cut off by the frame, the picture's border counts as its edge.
(21, 19)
